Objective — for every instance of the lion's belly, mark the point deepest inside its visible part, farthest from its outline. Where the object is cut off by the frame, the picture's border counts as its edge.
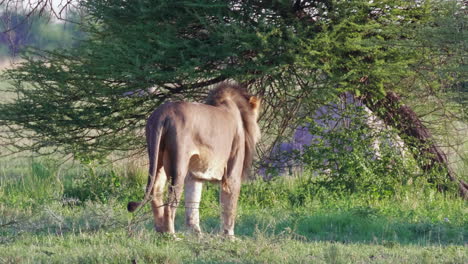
(206, 167)
(211, 174)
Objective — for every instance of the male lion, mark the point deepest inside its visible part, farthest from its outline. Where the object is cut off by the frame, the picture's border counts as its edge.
(189, 143)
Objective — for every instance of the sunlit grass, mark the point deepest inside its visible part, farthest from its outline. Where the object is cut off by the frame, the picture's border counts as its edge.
(145, 246)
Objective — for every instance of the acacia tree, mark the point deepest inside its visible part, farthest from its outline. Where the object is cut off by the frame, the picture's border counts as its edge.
(94, 99)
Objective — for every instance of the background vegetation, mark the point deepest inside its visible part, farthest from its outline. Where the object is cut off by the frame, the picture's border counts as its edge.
(20, 30)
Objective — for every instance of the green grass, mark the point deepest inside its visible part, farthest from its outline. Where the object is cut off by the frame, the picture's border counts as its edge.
(279, 221)
(98, 232)
(147, 247)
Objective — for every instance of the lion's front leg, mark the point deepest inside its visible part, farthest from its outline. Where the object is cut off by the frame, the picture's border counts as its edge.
(230, 189)
(193, 191)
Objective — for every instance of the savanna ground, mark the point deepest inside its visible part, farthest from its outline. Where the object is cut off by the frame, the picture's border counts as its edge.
(55, 212)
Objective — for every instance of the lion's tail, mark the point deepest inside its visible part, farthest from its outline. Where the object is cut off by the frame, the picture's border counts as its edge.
(153, 152)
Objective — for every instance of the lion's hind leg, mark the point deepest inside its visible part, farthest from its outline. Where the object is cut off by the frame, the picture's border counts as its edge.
(176, 172)
(157, 202)
(175, 192)
(193, 191)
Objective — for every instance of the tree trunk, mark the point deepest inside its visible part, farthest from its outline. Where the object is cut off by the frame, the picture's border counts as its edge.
(429, 156)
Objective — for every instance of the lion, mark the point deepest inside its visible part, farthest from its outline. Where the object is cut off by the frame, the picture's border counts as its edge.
(190, 143)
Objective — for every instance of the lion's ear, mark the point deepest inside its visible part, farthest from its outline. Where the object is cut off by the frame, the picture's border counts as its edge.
(255, 102)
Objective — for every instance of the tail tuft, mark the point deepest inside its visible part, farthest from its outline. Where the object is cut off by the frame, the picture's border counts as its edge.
(132, 206)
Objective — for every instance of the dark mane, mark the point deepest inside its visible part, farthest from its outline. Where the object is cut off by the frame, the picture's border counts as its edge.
(239, 95)
(224, 91)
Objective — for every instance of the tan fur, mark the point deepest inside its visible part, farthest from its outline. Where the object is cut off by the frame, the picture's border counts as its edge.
(192, 143)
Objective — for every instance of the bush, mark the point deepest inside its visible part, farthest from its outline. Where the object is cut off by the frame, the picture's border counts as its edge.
(356, 158)
(345, 152)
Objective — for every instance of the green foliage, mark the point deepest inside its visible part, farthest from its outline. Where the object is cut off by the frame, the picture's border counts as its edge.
(357, 158)
(92, 100)
(366, 47)
(351, 152)
(445, 71)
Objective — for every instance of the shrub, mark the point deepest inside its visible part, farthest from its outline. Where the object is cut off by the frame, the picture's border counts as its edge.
(344, 151)
(357, 158)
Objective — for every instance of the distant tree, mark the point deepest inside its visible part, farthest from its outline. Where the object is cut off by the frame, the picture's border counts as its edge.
(21, 28)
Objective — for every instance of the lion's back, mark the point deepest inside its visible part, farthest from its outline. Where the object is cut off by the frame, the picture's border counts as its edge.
(194, 119)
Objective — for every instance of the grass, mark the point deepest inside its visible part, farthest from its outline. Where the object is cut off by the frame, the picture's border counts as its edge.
(98, 232)
(278, 222)
(144, 247)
